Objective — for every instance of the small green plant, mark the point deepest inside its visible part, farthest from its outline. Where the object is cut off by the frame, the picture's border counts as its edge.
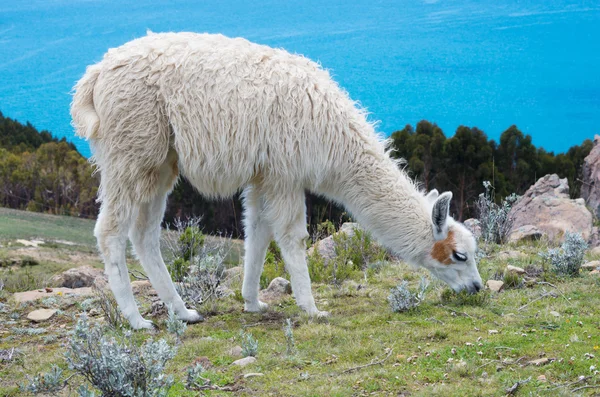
(567, 260)
(249, 344)
(288, 331)
(494, 218)
(194, 379)
(46, 383)
(402, 299)
(464, 298)
(29, 331)
(512, 280)
(273, 267)
(174, 325)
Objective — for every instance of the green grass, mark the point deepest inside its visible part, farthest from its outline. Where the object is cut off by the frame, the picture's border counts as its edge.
(16, 224)
(442, 348)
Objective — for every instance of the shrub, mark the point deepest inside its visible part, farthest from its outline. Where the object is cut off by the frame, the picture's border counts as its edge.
(194, 377)
(109, 307)
(402, 299)
(201, 283)
(353, 255)
(47, 383)
(119, 368)
(494, 219)
(184, 247)
(197, 269)
(567, 260)
(249, 344)
(174, 325)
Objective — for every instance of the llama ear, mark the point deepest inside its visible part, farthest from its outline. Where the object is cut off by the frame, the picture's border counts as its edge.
(432, 196)
(439, 215)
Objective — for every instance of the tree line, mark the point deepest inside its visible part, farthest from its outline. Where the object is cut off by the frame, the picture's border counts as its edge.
(41, 173)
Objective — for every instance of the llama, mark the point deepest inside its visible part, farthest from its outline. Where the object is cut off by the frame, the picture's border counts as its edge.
(231, 115)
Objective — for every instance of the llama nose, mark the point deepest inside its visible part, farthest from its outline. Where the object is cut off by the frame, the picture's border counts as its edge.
(477, 286)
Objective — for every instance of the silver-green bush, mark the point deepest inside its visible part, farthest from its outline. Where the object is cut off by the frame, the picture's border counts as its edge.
(494, 219)
(402, 299)
(567, 260)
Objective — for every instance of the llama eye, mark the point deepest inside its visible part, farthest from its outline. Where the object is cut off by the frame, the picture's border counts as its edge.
(459, 257)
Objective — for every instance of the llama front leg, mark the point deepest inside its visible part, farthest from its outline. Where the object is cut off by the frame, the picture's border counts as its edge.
(287, 215)
(111, 233)
(256, 242)
(145, 236)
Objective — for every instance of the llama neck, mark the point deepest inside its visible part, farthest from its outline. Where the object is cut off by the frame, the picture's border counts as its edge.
(384, 201)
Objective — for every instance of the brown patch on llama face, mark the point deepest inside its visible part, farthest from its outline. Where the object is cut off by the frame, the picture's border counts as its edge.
(442, 250)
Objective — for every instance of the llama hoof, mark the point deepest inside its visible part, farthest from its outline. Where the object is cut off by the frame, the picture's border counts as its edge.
(256, 307)
(142, 324)
(191, 317)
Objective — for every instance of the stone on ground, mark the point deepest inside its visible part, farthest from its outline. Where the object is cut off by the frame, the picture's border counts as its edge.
(242, 362)
(495, 285)
(515, 269)
(41, 315)
(590, 188)
(591, 265)
(45, 293)
(277, 289)
(78, 277)
(235, 351)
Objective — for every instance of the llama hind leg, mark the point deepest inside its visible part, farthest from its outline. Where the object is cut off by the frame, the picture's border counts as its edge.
(256, 242)
(287, 215)
(111, 233)
(145, 236)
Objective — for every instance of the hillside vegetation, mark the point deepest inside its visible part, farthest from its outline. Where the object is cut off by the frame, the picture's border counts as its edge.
(40, 173)
(539, 336)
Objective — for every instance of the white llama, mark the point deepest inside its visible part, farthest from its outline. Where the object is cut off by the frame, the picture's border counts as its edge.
(228, 115)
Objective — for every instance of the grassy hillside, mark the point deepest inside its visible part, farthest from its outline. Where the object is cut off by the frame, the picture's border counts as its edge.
(449, 346)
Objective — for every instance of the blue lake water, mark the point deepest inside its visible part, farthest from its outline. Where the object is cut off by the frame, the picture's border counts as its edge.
(485, 63)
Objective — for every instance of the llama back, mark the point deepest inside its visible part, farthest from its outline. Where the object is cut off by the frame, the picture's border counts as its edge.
(236, 110)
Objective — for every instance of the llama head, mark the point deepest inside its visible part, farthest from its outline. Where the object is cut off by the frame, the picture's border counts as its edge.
(452, 257)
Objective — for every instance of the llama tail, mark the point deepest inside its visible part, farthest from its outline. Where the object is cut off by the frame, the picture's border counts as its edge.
(83, 112)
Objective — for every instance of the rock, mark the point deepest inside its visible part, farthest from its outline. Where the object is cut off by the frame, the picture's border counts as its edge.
(591, 265)
(595, 251)
(547, 209)
(507, 255)
(495, 285)
(252, 375)
(235, 351)
(78, 277)
(277, 289)
(540, 361)
(142, 287)
(493, 331)
(555, 313)
(595, 271)
(541, 378)
(474, 226)
(242, 362)
(38, 294)
(233, 274)
(514, 269)
(41, 315)
(525, 233)
(590, 188)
